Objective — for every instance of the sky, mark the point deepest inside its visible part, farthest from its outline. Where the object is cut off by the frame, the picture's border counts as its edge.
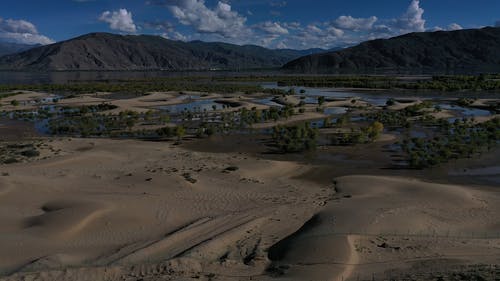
(295, 24)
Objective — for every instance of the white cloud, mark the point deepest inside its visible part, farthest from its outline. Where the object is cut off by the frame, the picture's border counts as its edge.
(272, 28)
(120, 20)
(354, 24)
(349, 30)
(455, 26)
(165, 26)
(268, 41)
(222, 23)
(174, 35)
(292, 25)
(412, 20)
(335, 31)
(178, 36)
(450, 27)
(21, 31)
(221, 20)
(314, 29)
(281, 45)
(436, 28)
(278, 4)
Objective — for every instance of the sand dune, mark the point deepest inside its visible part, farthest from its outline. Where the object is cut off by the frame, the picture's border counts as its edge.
(390, 223)
(62, 219)
(129, 210)
(122, 203)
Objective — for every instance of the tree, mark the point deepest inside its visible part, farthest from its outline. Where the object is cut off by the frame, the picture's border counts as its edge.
(295, 138)
(164, 119)
(130, 123)
(180, 132)
(327, 122)
(164, 132)
(321, 100)
(14, 103)
(374, 130)
(148, 115)
(343, 120)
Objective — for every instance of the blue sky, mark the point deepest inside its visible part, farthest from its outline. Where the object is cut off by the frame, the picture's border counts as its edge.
(271, 23)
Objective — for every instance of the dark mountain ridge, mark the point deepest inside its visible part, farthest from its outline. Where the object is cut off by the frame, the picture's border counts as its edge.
(105, 51)
(461, 49)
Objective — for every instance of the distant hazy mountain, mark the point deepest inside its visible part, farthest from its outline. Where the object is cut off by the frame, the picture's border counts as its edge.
(462, 49)
(104, 51)
(12, 48)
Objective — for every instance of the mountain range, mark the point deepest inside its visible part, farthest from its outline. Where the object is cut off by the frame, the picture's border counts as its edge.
(428, 51)
(7, 48)
(105, 51)
(441, 50)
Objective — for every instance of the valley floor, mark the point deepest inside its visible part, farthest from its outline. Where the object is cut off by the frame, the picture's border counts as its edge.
(104, 209)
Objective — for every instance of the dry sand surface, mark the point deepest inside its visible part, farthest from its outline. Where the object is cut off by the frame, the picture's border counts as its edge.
(131, 210)
(107, 205)
(390, 225)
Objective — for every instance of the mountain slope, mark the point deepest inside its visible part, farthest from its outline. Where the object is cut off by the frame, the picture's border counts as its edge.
(104, 51)
(12, 48)
(473, 48)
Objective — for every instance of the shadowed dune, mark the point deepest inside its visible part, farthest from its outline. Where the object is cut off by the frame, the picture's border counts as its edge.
(65, 218)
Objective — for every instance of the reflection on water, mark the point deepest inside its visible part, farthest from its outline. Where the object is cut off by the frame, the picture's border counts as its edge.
(195, 106)
(269, 101)
(335, 110)
(62, 77)
(466, 111)
(377, 98)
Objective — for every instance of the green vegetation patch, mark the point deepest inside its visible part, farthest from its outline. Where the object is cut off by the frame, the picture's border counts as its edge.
(461, 139)
(296, 138)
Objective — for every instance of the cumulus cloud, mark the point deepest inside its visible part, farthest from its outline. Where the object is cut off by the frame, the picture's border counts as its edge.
(220, 20)
(120, 20)
(292, 25)
(272, 28)
(318, 35)
(412, 20)
(164, 26)
(497, 23)
(450, 27)
(335, 31)
(455, 26)
(354, 24)
(281, 45)
(347, 30)
(174, 35)
(436, 28)
(21, 31)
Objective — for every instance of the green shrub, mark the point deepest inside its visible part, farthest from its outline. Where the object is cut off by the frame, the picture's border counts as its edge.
(30, 153)
(297, 138)
(11, 160)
